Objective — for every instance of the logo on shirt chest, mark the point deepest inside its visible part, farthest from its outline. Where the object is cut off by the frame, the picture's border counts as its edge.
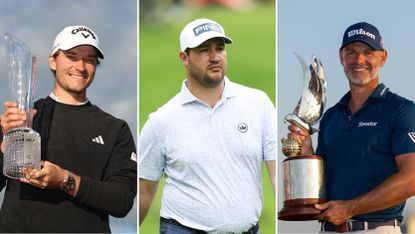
(243, 127)
(412, 136)
(98, 140)
(367, 124)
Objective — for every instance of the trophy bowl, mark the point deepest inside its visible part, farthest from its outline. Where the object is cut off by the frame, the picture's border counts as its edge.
(303, 187)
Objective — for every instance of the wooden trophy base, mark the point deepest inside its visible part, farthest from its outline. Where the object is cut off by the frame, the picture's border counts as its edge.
(300, 209)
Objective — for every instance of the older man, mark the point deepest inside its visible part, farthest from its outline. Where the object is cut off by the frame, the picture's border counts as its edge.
(367, 141)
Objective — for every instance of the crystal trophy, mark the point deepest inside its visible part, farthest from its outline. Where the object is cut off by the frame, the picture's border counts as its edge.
(21, 144)
(304, 174)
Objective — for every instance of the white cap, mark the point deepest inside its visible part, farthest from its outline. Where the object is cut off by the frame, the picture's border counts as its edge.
(199, 31)
(73, 36)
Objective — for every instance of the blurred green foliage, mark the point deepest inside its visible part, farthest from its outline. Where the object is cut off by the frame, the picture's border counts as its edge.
(251, 62)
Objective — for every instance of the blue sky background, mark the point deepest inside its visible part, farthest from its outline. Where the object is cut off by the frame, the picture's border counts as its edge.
(115, 86)
(316, 28)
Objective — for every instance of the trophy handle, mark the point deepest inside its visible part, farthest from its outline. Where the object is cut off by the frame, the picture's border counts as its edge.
(294, 119)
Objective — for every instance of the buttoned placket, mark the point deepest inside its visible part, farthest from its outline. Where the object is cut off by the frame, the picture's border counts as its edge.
(351, 117)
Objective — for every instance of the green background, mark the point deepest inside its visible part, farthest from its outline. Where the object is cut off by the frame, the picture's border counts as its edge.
(251, 62)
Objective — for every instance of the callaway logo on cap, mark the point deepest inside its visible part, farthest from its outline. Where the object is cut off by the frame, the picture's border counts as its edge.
(73, 36)
(363, 32)
(199, 31)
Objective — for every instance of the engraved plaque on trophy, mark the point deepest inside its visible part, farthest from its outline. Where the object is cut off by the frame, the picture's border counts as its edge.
(21, 144)
(304, 174)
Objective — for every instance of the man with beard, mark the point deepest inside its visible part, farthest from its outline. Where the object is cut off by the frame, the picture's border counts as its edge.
(209, 141)
(368, 142)
(89, 168)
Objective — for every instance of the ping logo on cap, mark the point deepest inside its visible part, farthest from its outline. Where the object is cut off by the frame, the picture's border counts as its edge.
(360, 32)
(206, 27)
(83, 29)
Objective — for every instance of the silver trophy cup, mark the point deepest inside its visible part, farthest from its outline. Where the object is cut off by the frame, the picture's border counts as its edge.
(22, 144)
(304, 174)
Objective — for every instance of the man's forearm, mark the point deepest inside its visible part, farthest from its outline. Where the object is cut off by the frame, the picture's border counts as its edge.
(145, 203)
(148, 190)
(271, 172)
(391, 192)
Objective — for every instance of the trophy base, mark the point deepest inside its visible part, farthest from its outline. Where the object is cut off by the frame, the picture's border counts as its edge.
(14, 172)
(300, 209)
(22, 152)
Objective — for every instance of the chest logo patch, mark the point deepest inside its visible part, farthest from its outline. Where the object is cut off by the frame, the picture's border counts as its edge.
(367, 124)
(412, 136)
(98, 140)
(243, 127)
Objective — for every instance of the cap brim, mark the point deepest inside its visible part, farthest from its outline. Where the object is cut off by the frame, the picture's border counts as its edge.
(377, 48)
(227, 40)
(99, 51)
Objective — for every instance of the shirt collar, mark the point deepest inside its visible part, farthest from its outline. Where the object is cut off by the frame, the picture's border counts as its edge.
(380, 92)
(54, 97)
(187, 97)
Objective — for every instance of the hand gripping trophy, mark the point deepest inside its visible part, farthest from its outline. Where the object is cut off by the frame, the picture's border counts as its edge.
(22, 144)
(304, 174)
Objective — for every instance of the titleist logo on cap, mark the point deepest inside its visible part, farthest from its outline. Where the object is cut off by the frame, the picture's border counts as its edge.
(206, 28)
(360, 32)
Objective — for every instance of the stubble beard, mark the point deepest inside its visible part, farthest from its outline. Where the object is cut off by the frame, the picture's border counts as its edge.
(354, 80)
(206, 80)
(209, 81)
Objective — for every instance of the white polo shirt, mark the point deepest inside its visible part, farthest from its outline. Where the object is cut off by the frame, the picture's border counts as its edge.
(211, 157)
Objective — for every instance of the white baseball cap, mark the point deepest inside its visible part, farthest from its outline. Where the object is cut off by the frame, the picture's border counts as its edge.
(199, 31)
(73, 36)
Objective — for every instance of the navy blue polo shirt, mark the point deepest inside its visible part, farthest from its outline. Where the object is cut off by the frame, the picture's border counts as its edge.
(360, 149)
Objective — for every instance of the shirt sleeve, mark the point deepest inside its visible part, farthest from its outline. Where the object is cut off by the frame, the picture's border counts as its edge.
(269, 137)
(115, 193)
(403, 129)
(151, 158)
